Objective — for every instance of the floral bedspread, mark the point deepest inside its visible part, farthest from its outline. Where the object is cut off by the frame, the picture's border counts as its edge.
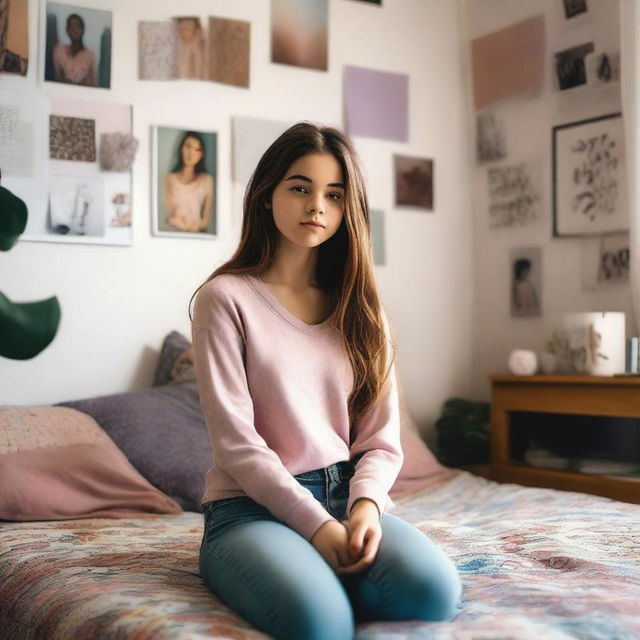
(535, 563)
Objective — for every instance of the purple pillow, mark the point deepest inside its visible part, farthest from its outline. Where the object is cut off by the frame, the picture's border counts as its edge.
(173, 346)
(162, 432)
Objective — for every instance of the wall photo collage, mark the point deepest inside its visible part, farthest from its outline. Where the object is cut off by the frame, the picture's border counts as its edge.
(71, 160)
(586, 155)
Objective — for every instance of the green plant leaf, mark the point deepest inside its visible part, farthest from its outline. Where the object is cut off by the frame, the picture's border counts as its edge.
(463, 432)
(26, 328)
(13, 218)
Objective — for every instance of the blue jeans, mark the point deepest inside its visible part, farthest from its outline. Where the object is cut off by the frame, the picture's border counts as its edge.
(277, 581)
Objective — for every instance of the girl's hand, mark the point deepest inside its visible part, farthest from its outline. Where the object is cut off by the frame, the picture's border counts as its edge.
(365, 533)
(331, 541)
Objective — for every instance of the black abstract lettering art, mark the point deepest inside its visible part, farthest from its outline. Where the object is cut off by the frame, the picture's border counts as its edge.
(513, 200)
(595, 176)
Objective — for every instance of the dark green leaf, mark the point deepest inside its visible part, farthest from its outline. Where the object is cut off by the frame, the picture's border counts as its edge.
(13, 218)
(27, 328)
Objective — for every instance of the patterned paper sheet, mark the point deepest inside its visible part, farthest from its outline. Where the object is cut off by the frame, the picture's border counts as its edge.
(535, 563)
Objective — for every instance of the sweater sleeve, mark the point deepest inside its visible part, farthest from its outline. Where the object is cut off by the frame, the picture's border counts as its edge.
(239, 450)
(377, 439)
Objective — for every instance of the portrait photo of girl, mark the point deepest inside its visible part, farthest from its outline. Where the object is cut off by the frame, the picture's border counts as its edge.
(191, 48)
(78, 45)
(525, 281)
(185, 184)
(295, 366)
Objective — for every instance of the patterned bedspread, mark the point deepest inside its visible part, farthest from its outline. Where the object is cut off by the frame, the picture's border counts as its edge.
(535, 563)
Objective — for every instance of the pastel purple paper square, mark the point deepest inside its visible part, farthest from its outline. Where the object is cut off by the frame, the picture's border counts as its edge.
(376, 103)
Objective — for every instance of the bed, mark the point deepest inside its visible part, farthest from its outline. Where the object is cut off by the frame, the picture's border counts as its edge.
(535, 563)
(117, 558)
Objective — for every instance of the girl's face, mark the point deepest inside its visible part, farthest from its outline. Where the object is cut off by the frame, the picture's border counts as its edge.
(312, 190)
(75, 30)
(187, 28)
(191, 152)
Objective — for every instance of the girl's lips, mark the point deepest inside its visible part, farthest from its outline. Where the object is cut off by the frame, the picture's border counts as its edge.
(310, 224)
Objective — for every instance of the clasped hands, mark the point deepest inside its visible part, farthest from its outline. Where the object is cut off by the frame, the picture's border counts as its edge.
(351, 546)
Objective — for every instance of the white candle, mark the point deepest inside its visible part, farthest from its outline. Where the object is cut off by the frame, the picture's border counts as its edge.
(608, 339)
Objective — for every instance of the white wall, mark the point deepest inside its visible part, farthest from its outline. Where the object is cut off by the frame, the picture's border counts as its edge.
(528, 124)
(119, 302)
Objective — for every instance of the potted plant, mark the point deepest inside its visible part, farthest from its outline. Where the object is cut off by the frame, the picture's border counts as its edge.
(463, 432)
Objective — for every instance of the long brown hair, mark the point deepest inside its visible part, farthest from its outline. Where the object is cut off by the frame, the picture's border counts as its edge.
(345, 262)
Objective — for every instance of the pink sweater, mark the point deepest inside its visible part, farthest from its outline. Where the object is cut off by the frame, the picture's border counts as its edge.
(274, 393)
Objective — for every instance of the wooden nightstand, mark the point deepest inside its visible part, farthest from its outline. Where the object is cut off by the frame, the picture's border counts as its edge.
(480, 469)
(611, 397)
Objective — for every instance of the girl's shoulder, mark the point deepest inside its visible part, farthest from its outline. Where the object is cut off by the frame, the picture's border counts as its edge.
(224, 286)
(206, 180)
(221, 296)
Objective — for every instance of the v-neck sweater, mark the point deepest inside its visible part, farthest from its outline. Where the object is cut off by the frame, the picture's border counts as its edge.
(274, 392)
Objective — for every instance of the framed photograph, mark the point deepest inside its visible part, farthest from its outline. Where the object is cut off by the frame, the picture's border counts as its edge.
(615, 257)
(184, 182)
(574, 7)
(192, 48)
(589, 177)
(526, 281)
(571, 69)
(78, 45)
(14, 38)
(413, 182)
(300, 33)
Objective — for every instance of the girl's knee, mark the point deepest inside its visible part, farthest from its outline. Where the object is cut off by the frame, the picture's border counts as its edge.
(318, 619)
(426, 580)
(276, 581)
(435, 596)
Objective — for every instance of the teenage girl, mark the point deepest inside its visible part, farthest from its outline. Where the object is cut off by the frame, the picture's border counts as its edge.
(294, 363)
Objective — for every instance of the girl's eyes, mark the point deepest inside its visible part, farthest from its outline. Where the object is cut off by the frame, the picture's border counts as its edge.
(333, 195)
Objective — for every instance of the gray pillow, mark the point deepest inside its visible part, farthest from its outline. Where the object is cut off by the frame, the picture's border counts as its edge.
(162, 432)
(174, 345)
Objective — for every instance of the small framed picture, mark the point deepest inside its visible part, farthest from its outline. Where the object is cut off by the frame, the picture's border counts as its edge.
(615, 254)
(526, 281)
(574, 7)
(589, 177)
(78, 45)
(413, 182)
(184, 182)
(571, 68)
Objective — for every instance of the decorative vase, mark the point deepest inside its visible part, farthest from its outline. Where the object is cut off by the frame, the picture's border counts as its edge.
(548, 362)
(523, 362)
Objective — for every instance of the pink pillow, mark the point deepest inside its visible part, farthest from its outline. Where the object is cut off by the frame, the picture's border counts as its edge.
(420, 468)
(57, 463)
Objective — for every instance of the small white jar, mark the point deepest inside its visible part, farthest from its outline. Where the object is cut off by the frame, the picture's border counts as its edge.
(523, 362)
